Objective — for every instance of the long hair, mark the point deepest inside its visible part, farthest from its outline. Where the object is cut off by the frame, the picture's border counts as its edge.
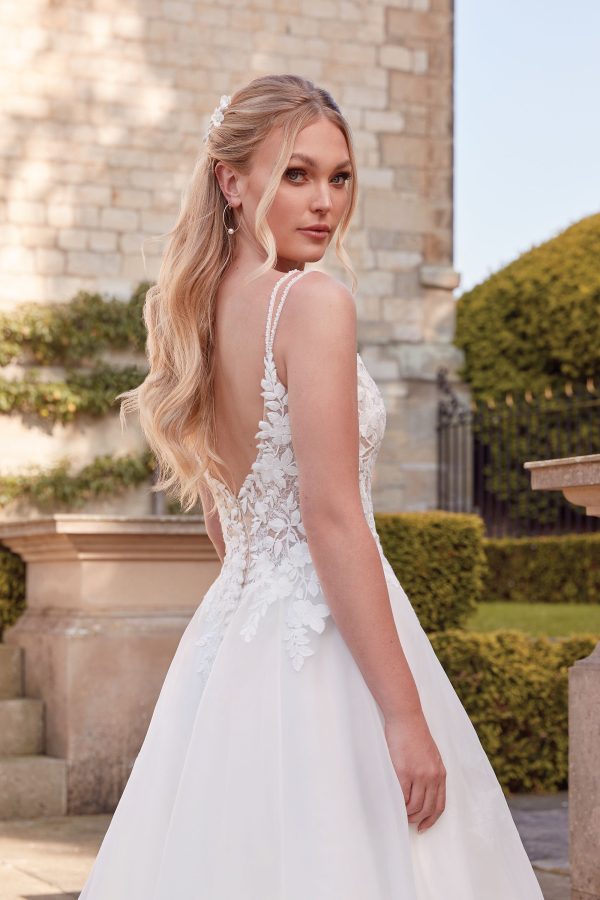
(176, 400)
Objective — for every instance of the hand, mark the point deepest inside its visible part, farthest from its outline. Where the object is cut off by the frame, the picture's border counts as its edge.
(419, 768)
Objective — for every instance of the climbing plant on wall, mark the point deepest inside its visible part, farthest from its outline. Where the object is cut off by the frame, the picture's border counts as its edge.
(73, 336)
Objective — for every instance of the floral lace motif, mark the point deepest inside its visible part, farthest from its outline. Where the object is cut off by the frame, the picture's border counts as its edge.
(267, 559)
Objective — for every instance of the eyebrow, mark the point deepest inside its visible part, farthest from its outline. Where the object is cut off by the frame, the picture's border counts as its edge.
(311, 162)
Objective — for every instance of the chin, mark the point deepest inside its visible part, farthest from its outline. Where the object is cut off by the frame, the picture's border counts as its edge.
(312, 256)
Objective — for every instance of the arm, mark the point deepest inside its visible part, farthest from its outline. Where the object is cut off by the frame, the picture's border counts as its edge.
(320, 357)
(318, 341)
(212, 522)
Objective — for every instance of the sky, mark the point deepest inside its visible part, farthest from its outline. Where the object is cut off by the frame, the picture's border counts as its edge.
(526, 127)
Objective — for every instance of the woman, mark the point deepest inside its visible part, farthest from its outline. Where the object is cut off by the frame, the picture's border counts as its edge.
(306, 743)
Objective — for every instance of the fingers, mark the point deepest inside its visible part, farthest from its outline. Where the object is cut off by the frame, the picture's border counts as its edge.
(422, 801)
(416, 800)
(430, 814)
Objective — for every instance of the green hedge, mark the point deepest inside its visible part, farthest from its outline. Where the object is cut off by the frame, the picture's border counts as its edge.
(560, 569)
(535, 322)
(12, 587)
(438, 558)
(514, 688)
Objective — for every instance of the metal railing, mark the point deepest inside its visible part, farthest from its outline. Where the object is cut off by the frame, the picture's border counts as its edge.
(482, 448)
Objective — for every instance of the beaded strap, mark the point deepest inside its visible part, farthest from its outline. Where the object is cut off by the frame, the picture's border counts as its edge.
(271, 328)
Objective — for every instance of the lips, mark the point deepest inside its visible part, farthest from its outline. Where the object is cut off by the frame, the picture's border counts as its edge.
(316, 232)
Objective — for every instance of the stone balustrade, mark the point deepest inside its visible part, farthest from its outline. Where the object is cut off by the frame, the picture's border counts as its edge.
(108, 598)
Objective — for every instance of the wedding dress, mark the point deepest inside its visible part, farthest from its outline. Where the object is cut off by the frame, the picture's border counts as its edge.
(264, 773)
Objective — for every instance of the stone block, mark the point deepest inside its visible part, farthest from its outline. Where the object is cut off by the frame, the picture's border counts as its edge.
(21, 727)
(92, 194)
(394, 56)
(32, 787)
(91, 264)
(439, 317)
(364, 97)
(421, 361)
(408, 87)
(102, 241)
(421, 152)
(119, 219)
(35, 236)
(11, 682)
(16, 258)
(49, 261)
(420, 61)
(384, 121)
(86, 216)
(72, 238)
(26, 212)
(398, 260)
(440, 277)
(417, 23)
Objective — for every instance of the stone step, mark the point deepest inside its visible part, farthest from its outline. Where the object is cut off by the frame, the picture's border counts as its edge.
(11, 671)
(32, 787)
(22, 730)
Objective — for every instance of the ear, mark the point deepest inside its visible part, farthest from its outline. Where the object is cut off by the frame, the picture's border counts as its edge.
(229, 182)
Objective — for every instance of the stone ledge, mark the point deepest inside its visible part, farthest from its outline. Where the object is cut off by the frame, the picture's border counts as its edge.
(63, 537)
(439, 277)
(578, 477)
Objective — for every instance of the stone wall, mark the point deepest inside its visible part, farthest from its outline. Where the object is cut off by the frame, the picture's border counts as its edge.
(105, 108)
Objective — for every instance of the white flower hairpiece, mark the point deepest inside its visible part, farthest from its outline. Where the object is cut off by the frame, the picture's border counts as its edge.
(217, 116)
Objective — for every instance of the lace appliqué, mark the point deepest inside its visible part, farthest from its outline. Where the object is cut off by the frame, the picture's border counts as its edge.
(267, 560)
(280, 567)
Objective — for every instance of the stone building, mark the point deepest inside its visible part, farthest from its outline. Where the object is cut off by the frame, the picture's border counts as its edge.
(105, 106)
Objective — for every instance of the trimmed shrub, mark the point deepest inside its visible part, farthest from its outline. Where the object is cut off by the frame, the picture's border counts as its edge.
(439, 559)
(12, 587)
(514, 688)
(545, 569)
(535, 322)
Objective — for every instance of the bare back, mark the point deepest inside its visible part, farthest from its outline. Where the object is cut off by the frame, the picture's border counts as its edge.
(241, 317)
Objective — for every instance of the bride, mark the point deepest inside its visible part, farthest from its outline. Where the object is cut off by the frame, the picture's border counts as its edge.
(306, 743)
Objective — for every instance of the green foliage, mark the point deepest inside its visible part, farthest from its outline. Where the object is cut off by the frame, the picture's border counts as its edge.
(535, 322)
(91, 393)
(69, 333)
(560, 569)
(12, 587)
(515, 690)
(551, 619)
(439, 559)
(56, 488)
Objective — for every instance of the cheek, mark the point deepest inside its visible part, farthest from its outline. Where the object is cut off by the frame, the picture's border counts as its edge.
(285, 209)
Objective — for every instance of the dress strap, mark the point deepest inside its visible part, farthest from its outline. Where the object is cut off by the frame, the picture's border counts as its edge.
(271, 325)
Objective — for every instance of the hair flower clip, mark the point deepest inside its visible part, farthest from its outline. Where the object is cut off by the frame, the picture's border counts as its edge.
(217, 116)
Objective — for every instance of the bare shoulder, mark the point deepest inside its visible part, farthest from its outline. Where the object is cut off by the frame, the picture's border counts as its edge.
(319, 304)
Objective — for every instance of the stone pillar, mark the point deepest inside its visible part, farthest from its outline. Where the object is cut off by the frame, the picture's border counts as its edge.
(584, 777)
(108, 598)
(578, 477)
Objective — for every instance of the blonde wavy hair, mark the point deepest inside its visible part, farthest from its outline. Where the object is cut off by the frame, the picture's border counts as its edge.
(176, 399)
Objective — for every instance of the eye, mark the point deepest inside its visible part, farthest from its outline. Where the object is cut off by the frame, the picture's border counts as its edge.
(345, 175)
(293, 171)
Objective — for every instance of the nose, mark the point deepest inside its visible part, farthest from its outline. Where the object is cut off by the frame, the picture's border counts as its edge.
(322, 197)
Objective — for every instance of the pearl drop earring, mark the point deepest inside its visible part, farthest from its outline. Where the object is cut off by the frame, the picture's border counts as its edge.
(229, 230)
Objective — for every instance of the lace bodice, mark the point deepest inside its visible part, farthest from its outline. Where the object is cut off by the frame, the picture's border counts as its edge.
(265, 540)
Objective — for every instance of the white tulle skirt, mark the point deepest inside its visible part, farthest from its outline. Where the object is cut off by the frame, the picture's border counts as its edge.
(275, 784)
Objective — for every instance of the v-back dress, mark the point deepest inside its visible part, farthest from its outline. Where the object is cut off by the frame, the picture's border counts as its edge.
(265, 773)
